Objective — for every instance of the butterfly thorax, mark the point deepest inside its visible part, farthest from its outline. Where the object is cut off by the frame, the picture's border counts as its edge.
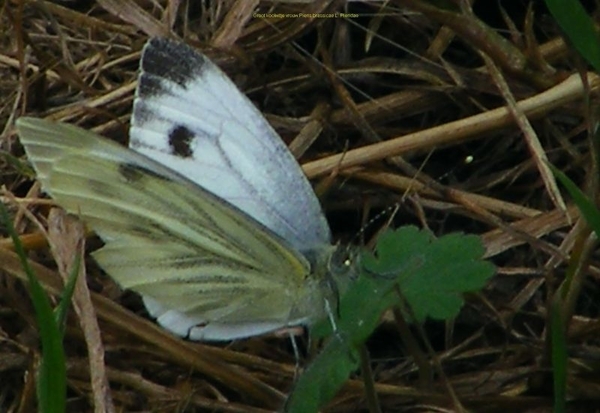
(332, 270)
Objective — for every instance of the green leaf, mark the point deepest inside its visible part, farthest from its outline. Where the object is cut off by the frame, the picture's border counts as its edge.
(396, 250)
(323, 378)
(431, 274)
(451, 268)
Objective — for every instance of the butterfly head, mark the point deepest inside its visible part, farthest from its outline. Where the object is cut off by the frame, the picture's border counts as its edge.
(343, 262)
(342, 268)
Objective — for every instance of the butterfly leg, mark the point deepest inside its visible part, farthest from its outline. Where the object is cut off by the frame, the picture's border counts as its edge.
(330, 315)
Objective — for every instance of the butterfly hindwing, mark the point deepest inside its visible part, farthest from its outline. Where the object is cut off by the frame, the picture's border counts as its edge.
(206, 269)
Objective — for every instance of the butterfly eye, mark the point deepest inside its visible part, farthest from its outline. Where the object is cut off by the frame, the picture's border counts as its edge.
(351, 265)
(342, 263)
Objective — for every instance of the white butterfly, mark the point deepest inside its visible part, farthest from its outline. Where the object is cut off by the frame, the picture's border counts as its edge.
(213, 221)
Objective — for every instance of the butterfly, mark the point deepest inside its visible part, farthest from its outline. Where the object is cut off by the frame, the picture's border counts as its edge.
(207, 215)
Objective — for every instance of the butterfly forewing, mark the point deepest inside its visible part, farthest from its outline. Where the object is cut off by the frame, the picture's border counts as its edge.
(189, 116)
(194, 256)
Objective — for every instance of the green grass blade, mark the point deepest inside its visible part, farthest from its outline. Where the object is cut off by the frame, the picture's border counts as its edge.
(579, 28)
(64, 304)
(51, 380)
(584, 204)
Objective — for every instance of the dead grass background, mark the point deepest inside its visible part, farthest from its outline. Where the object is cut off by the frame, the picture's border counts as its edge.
(380, 108)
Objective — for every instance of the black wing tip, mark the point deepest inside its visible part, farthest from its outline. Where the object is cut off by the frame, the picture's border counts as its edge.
(164, 45)
(159, 42)
(171, 60)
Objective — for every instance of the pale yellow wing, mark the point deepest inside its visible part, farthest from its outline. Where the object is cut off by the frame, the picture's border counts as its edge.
(205, 269)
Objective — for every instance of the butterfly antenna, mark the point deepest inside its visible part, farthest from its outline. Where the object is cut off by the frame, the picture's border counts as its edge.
(417, 175)
(389, 211)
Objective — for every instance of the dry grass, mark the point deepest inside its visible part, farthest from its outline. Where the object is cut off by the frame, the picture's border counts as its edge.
(381, 108)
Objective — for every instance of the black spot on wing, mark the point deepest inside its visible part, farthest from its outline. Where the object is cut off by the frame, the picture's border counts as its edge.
(170, 60)
(180, 140)
(135, 173)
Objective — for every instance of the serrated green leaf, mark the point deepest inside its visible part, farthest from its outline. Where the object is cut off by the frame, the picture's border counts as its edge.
(432, 274)
(395, 250)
